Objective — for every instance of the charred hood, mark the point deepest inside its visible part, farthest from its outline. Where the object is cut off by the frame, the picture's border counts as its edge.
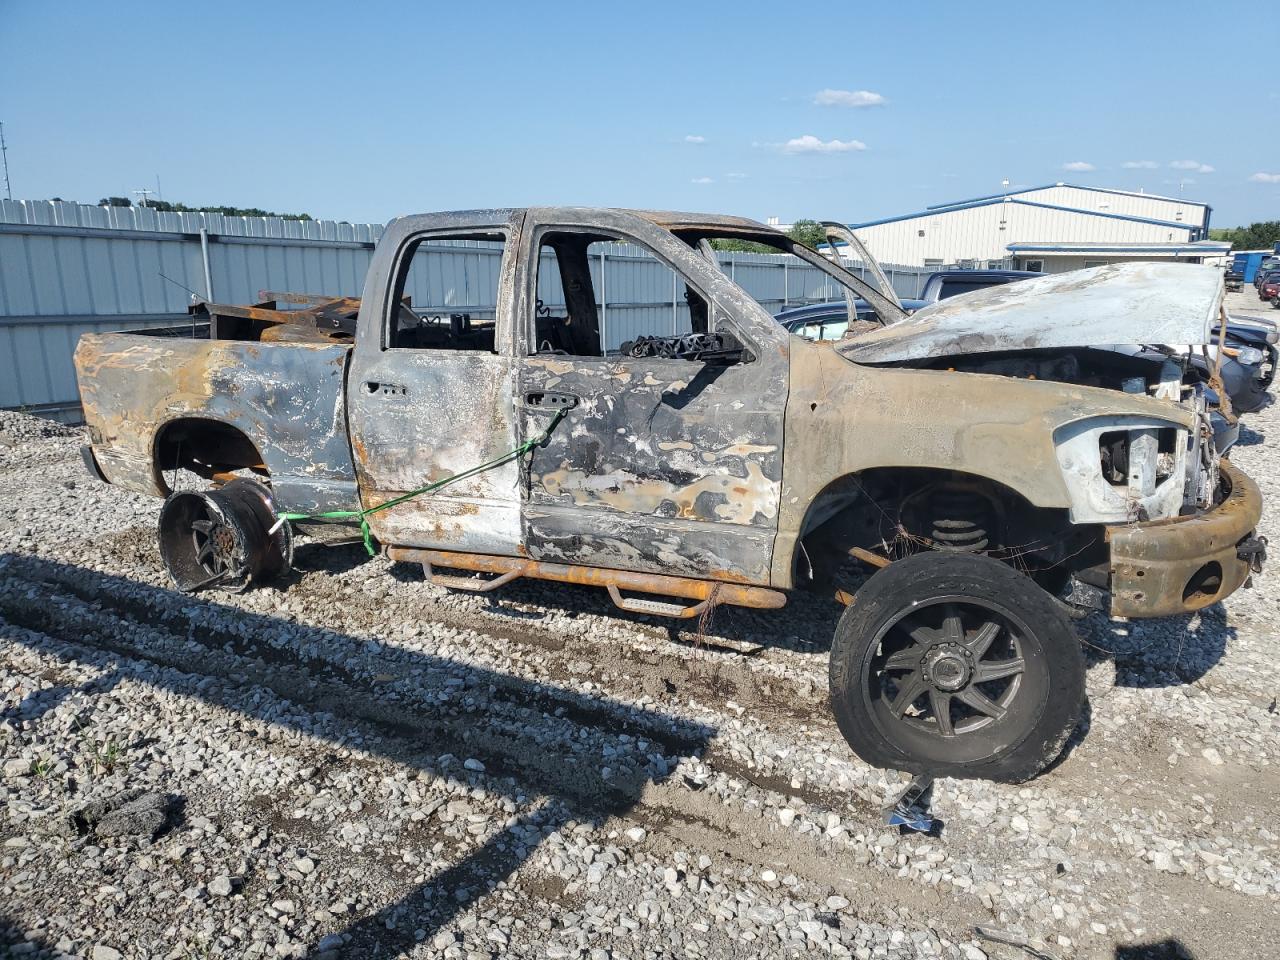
(1123, 303)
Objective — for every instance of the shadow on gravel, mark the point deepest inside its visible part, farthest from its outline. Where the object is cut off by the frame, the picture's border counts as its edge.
(1249, 437)
(1170, 949)
(588, 758)
(1165, 652)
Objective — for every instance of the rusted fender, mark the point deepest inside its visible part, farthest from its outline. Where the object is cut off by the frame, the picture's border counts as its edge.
(843, 419)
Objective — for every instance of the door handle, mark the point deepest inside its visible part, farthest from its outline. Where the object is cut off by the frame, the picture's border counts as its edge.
(386, 389)
(550, 401)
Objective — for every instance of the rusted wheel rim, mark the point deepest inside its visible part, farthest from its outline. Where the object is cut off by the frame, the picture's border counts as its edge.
(214, 543)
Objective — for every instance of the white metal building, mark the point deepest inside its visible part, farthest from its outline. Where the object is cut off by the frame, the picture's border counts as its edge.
(1051, 228)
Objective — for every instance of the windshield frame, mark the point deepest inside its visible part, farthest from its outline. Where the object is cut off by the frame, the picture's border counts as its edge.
(885, 310)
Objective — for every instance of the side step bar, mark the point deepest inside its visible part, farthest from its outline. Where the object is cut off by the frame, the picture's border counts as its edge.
(707, 593)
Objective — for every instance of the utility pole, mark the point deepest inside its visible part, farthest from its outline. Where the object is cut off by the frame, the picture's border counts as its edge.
(142, 196)
(4, 152)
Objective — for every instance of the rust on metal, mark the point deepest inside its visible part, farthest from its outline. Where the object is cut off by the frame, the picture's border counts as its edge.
(866, 556)
(1165, 567)
(659, 584)
(323, 319)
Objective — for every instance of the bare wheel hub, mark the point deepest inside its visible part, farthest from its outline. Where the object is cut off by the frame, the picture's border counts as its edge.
(948, 666)
(224, 541)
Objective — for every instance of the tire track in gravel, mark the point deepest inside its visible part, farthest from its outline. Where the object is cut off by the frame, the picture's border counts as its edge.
(652, 665)
(1074, 778)
(652, 653)
(84, 615)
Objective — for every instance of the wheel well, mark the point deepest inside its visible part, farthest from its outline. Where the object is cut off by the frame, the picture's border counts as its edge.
(209, 448)
(893, 512)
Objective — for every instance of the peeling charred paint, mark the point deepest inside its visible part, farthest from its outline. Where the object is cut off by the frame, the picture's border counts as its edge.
(844, 419)
(1119, 303)
(287, 399)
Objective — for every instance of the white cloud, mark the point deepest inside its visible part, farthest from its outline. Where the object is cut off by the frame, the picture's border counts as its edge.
(1140, 165)
(1195, 165)
(1266, 178)
(847, 98)
(695, 138)
(811, 144)
(1079, 166)
(733, 175)
(702, 180)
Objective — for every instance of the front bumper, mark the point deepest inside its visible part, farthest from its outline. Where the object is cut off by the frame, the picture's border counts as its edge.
(1173, 566)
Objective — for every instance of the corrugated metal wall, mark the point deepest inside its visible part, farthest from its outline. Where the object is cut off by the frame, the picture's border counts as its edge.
(67, 269)
(982, 233)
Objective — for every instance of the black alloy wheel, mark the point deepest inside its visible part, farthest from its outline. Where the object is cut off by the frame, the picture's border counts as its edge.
(956, 665)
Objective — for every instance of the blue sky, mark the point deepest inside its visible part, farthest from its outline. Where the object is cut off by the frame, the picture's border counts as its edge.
(361, 111)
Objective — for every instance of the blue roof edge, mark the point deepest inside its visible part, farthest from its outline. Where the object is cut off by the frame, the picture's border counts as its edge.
(1006, 198)
(1073, 186)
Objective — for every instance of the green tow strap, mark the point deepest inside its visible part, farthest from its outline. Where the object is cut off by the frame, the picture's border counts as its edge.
(361, 515)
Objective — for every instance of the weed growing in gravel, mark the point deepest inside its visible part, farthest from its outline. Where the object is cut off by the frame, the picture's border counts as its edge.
(105, 755)
(108, 755)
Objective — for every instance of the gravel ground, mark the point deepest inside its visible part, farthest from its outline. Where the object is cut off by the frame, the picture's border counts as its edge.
(357, 764)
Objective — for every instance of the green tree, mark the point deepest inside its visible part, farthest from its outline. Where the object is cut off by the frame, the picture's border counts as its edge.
(808, 232)
(1263, 235)
(741, 246)
(167, 206)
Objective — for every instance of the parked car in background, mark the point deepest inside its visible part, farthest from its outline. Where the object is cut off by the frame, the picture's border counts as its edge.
(830, 321)
(1268, 267)
(1233, 280)
(951, 283)
(1270, 287)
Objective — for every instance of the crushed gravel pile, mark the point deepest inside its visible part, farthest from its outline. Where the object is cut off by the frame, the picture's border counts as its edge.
(356, 764)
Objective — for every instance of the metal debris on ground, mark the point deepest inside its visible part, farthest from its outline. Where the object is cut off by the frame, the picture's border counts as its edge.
(1034, 947)
(912, 810)
(132, 812)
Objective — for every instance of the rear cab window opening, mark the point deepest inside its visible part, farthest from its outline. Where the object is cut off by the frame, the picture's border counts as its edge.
(446, 294)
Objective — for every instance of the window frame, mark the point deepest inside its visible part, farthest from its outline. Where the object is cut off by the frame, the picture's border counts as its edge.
(526, 335)
(399, 276)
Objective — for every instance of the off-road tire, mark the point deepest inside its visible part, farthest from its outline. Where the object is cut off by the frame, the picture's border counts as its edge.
(1029, 734)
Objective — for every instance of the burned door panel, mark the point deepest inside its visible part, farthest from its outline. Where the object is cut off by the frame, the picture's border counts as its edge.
(663, 465)
(420, 416)
(432, 383)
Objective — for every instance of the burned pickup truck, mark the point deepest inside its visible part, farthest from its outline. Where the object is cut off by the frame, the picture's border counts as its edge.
(994, 458)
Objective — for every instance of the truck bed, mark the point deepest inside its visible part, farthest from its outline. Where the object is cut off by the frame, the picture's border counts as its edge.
(277, 408)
